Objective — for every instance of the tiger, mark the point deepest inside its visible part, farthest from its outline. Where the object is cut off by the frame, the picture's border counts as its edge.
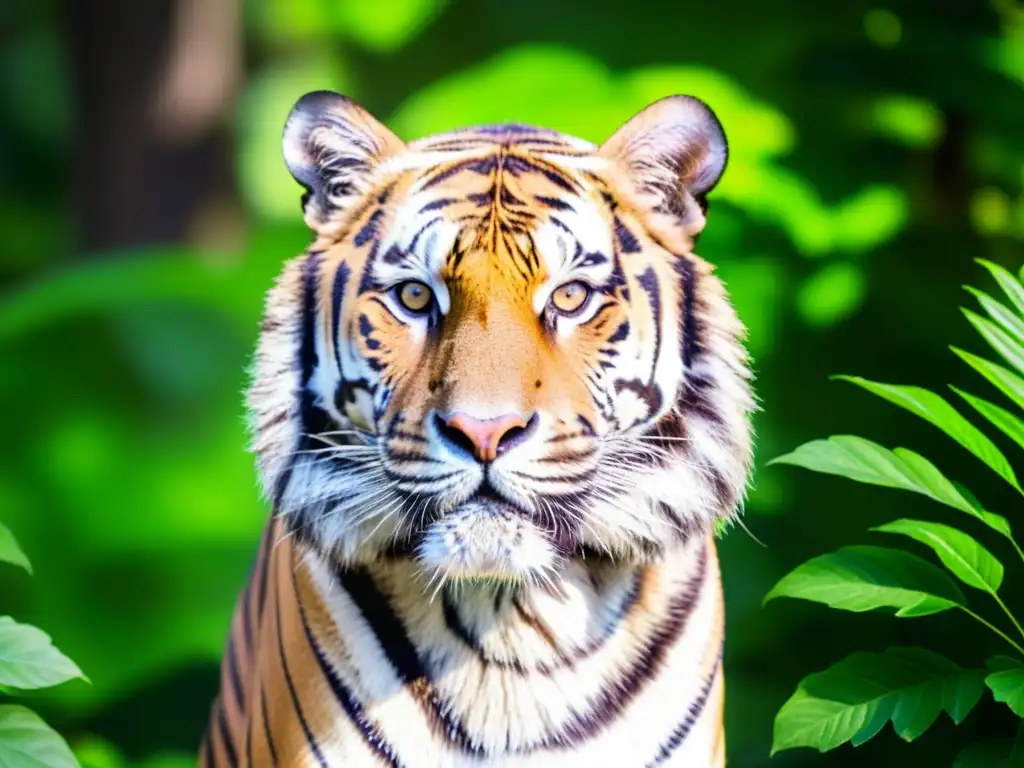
(499, 410)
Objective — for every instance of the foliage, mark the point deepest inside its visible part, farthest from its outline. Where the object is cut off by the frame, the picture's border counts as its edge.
(854, 699)
(29, 661)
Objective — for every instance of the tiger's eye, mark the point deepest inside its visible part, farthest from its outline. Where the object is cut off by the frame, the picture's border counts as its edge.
(415, 296)
(571, 297)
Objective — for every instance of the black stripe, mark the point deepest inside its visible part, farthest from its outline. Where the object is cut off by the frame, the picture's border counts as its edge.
(436, 205)
(386, 626)
(454, 623)
(691, 344)
(396, 646)
(266, 727)
(627, 242)
(281, 484)
(553, 202)
(409, 456)
(517, 164)
(681, 731)
(484, 166)
(225, 736)
(369, 230)
(393, 474)
(337, 296)
(353, 709)
(236, 678)
(420, 232)
(247, 612)
(310, 739)
(248, 737)
(617, 694)
(307, 360)
(307, 344)
(264, 564)
(208, 761)
(620, 333)
(649, 282)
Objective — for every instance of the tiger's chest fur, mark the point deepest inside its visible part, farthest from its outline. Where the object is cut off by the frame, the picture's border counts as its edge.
(373, 667)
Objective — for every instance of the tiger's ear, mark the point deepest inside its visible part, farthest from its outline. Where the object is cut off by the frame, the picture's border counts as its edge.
(669, 156)
(332, 147)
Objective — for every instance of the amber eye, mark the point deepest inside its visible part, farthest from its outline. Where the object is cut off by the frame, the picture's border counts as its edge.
(414, 296)
(571, 298)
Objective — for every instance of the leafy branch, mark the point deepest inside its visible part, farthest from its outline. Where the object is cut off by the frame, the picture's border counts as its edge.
(852, 700)
(29, 661)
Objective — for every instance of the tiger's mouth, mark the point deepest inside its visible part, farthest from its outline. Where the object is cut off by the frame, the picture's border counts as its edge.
(487, 495)
(486, 537)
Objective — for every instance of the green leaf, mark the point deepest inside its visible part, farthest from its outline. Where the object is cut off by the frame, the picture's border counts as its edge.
(1005, 421)
(865, 578)
(29, 660)
(867, 462)
(1007, 682)
(1011, 285)
(1010, 322)
(10, 552)
(852, 700)
(998, 339)
(28, 742)
(961, 554)
(1009, 383)
(941, 414)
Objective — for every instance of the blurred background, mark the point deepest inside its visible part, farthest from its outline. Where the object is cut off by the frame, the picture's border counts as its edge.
(877, 149)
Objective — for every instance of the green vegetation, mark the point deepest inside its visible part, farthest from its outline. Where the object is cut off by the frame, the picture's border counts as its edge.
(853, 699)
(29, 661)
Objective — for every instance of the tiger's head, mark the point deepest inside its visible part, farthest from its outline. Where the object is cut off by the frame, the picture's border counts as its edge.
(500, 353)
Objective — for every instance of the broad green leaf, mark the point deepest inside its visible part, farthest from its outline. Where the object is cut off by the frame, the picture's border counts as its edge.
(998, 339)
(10, 552)
(852, 700)
(28, 658)
(941, 414)
(961, 554)
(1011, 285)
(1009, 321)
(986, 754)
(1006, 682)
(864, 578)
(1009, 383)
(28, 742)
(1005, 421)
(867, 462)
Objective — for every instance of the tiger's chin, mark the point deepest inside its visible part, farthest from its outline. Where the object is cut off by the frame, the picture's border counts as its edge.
(486, 540)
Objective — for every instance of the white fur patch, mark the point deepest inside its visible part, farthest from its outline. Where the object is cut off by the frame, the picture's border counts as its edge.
(480, 540)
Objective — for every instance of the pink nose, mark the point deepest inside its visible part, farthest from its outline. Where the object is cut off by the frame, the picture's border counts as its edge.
(484, 436)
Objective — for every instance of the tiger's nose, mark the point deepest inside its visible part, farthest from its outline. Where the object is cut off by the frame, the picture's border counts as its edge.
(486, 439)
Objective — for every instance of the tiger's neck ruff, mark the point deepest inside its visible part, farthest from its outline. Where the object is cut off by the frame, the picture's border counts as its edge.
(498, 409)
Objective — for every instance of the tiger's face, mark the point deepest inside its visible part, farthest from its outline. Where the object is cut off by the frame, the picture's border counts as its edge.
(500, 353)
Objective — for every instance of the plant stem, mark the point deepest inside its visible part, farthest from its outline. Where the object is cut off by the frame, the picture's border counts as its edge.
(994, 628)
(1016, 547)
(1006, 610)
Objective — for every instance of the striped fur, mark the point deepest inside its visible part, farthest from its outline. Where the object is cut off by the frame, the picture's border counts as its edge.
(556, 602)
